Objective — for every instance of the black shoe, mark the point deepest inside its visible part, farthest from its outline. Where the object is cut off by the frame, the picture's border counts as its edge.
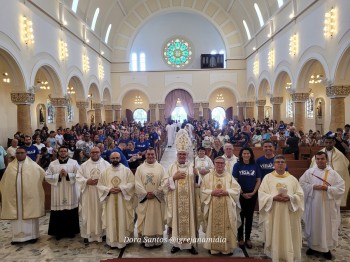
(58, 237)
(15, 242)
(327, 255)
(174, 250)
(248, 244)
(32, 241)
(310, 252)
(104, 238)
(71, 236)
(193, 251)
(86, 241)
(229, 254)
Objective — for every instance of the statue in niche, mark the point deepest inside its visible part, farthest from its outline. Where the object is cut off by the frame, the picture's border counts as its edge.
(319, 108)
(92, 119)
(41, 114)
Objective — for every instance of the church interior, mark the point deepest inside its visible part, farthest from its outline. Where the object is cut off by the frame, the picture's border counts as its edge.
(92, 61)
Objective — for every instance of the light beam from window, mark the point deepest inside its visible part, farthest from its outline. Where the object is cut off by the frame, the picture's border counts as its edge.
(107, 34)
(75, 6)
(280, 3)
(258, 12)
(142, 62)
(95, 19)
(247, 29)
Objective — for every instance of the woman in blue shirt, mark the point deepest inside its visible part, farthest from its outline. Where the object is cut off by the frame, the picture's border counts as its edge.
(247, 174)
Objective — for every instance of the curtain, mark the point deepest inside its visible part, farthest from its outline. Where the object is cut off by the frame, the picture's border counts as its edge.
(186, 102)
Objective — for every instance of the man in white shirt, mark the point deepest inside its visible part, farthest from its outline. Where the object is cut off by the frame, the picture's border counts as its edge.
(59, 137)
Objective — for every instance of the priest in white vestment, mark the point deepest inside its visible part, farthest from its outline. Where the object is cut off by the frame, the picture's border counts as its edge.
(150, 196)
(91, 208)
(230, 158)
(170, 131)
(23, 197)
(220, 196)
(323, 188)
(281, 206)
(178, 185)
(64, 217)
(338, 162)
(116, 189)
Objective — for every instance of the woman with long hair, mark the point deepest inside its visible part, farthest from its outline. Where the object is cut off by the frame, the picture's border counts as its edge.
(247, 174)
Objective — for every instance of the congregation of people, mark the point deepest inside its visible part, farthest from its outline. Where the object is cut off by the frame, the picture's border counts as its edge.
(109, 177)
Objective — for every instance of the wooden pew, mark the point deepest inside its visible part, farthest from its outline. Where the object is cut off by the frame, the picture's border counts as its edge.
(298, 164)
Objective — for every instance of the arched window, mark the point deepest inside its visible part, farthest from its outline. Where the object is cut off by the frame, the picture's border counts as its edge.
(50, 112)
(142, 62)
(218, 114)
(309, 107)
(140, 115)
(289, 107)
(75, 6)
(258, 12)
(133, 64)
(280, 3)
(95, 19)
(69, 111)
(247, 29)
(107, 34)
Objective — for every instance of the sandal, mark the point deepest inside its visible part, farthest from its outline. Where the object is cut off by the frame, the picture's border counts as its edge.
(249, 244)
(241, 243)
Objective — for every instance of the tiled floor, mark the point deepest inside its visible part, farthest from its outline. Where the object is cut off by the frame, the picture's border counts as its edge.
(49, 249)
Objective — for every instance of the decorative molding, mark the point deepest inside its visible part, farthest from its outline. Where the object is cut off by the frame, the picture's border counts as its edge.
(196, 105)
(97, 105)
(152, 106)
(205, 105)
(117, 107)
(300, 97)
(240, 104)
(161, 106)
(22, 98)
(108, 107)
(82, 104)
(250, 104)
(277, 100)
(337, 91)
(58, 101)
(260, 102)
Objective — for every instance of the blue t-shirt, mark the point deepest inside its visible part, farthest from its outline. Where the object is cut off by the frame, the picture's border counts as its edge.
(129, 154)
(142, 146)
(32, 151)
(122, 156)
(153, 137)
(246, 176)
(265, 165)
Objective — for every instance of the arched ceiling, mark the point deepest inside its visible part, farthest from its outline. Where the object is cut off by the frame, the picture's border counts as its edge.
(116, 12)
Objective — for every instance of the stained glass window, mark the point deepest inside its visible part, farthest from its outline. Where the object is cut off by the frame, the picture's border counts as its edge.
(309, 107)
(69, 110)
(289, 107)
(177, 52)
(50, 112)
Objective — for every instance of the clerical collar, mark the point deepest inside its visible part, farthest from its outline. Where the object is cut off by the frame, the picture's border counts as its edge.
(228, 158)
(63, 161)
(285, 174)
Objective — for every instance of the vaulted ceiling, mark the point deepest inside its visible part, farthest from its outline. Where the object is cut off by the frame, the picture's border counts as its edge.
(127, 16)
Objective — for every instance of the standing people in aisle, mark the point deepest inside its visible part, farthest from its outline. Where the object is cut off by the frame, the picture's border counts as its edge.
(247, 173)
(116, 189)
(23, 197)
(151, 205)
(61, 175)
(323, 188)
(281, 206)
(91, 208)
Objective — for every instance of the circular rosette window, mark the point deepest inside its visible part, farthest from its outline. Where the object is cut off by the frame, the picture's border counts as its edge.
(177, 52)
